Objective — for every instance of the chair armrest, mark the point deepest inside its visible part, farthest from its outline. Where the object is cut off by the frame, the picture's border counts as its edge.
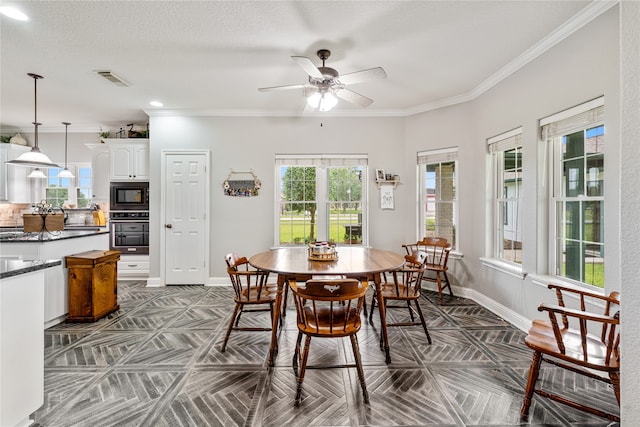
(606, 323)
(579, 314)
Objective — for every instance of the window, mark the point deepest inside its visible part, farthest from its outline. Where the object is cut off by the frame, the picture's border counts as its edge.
(321, 198)
(59, 191)
(438, 207)
(576, 140)
(506, 162)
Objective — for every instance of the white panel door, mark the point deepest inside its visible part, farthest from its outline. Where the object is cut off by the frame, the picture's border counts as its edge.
(185, 219)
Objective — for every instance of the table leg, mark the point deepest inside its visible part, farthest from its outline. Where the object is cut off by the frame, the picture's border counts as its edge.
(383, 315)
(273, 346)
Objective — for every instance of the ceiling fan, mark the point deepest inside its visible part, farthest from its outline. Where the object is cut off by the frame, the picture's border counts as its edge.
(325, 83)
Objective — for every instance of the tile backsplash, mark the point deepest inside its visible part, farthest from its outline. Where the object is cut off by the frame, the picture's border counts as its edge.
(11, 214)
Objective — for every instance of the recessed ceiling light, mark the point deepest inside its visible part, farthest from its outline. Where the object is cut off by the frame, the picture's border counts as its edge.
(13, 13)
(156, 104)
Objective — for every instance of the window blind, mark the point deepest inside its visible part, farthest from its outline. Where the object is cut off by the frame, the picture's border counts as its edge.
(326, 160)
(573, 119)
(505, 141)
(438, 156)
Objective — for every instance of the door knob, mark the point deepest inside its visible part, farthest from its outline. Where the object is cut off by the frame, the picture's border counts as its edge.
(168, 225)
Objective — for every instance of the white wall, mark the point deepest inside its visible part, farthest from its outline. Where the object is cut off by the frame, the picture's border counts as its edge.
(582, 67)
(630, 209)
(245, 225)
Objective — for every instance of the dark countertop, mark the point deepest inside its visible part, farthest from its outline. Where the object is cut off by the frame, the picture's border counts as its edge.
(15, 267)
(21, 237)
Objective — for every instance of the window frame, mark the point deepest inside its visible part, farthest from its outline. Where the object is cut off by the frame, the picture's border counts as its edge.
(434, 157)
(73, 187)
(497, 146)
(323, 163)
(582, 117)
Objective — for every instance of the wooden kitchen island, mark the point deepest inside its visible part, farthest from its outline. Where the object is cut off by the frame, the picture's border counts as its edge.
(58, 245)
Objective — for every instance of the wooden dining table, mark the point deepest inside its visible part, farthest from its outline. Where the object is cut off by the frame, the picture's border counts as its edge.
(354, 261)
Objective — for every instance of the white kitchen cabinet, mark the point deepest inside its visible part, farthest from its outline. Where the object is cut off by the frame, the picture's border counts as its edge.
(21, 347)
(15, 186)
(133, 266)
(129, 159)
(100, 168)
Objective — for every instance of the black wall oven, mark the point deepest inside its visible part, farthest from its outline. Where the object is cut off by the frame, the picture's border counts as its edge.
(129, 196)
(129, 231)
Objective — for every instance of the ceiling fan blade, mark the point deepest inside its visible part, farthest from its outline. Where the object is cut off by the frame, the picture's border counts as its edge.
(286, 87)
(353, 97)
(308, 67)
(362, 76)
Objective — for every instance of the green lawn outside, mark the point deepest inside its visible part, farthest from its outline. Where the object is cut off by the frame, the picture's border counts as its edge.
(292, 229)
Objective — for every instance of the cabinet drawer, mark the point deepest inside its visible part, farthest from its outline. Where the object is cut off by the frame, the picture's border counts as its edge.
(133, 266)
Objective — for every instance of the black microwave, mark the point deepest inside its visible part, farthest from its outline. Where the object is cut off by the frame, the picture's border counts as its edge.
(129, 196)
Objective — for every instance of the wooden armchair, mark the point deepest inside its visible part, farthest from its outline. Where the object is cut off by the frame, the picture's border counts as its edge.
(403, 286)
(564, 341)
(328, 308)
(437, 256)
(251, 289)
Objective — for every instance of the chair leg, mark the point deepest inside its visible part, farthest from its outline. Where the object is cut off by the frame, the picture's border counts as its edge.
(356, 355)
(448, 283)
(615, 382)
(373, 305)
(424, 324)
(296, 353)
(410, 311)
(230, 327)
(284, 300)
(303, 367)
(534, 371)
(439, 282)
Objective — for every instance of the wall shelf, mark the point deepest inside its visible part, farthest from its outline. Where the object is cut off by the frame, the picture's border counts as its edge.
(393, 182)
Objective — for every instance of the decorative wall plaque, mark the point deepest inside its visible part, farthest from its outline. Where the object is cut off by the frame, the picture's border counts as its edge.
(236, 187)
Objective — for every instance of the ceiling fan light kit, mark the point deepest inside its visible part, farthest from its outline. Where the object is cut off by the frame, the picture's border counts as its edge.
(326, 85)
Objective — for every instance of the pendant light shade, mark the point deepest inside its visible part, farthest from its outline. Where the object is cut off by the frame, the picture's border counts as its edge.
(65, 173)
(37, 174)
(34, 158)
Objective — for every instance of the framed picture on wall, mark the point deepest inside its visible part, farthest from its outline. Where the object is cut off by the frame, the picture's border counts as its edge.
(386, 197)
(379, 174)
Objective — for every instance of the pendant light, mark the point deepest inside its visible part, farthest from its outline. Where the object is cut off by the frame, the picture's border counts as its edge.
(65, 173)
(37, 174)
(34, 158)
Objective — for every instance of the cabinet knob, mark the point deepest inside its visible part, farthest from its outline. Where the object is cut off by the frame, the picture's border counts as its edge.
(168, 225)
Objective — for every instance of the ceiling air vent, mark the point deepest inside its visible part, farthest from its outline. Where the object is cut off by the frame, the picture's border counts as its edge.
(113, 78)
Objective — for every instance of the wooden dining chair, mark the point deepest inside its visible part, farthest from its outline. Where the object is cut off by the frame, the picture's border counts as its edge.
(252, 293)
(437, 251)
(327, 308)
(565, 341)
(403, 285)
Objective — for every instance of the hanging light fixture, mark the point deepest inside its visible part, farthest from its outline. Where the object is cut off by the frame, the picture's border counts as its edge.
(65, 173)
(37, 174)
(324, 100)
(34, 158)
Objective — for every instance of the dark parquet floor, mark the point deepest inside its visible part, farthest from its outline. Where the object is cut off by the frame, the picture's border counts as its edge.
(156, 362)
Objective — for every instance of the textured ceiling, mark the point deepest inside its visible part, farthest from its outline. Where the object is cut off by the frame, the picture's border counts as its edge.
(209, 57)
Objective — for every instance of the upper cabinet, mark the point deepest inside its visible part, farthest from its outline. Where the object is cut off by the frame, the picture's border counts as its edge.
(129, 159)
(100, 168)
(15, 186)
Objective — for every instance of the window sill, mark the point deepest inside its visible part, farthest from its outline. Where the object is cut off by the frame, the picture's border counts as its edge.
(514, 270)
(544, 280)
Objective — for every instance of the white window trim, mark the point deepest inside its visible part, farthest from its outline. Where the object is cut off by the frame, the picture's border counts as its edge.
(323, 162)
(73, 188)
(498, 144)
(551, 154)
(441, 155)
